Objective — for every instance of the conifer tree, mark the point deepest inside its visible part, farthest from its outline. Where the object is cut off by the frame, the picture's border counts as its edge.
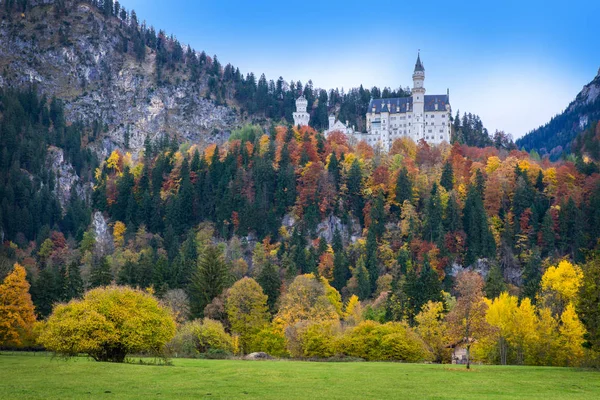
(371, 262)
(403, 187)
(101, 274)
(447, 179)
(209, 280)
(341, 271)
(354, 184)
(363, 281)
(73, 284)
(433, 229)
(270, 281)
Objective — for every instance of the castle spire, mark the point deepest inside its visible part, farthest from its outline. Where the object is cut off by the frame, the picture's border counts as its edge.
(419, 65)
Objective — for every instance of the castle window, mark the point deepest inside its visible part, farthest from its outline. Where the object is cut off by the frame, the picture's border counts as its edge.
(444, 116)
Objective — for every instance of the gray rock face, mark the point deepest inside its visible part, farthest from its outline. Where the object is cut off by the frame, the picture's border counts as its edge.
(78, 58)
(104, 243)
(66, 178)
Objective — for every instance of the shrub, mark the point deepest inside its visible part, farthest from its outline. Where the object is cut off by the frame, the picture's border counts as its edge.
(107, 324)
(271, 339)
(205, 336)
(319, 339)
(393, 341)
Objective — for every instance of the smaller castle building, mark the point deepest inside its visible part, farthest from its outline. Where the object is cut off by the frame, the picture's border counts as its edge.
(301, 117)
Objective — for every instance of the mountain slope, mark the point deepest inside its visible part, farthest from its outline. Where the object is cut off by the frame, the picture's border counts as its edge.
(89, 60)
(556, 137)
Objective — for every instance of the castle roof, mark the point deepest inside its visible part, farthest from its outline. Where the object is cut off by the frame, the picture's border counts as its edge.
(419, 64)
(404, 104)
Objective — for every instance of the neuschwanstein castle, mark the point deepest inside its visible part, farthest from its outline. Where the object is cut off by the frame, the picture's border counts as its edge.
(419, 116)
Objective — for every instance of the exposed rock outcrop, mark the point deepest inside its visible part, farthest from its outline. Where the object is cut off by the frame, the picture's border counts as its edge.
(78, 58)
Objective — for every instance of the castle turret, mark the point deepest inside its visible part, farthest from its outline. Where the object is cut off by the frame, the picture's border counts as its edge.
(418, 98)
(301, 117)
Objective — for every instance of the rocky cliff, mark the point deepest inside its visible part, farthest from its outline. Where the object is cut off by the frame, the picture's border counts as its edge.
(76, 54)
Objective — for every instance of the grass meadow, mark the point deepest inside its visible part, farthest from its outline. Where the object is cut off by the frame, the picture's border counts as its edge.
(41, 376)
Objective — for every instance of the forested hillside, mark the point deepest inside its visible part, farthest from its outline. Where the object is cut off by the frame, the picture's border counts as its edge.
(555, 139)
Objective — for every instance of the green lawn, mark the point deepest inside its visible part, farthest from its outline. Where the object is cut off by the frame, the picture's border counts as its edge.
(43, 377)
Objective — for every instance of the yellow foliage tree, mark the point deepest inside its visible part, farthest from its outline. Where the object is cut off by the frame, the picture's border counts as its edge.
(560, 285)
(114, 160)
(432, 329)
(571, 337)
(119, 230)
(306, 299)
(16, 309)
(353, 311)
(107, 324)
(247, 310)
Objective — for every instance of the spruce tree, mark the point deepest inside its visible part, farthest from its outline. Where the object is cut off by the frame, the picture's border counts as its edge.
(371, 262)
(341, 271)
(101, 274)
(270, 281)
(73, 284)
(354, 185)
(433, 230)
(363, 281)
(447, 179)
(494, 283)
(209, 280)
(403, 187)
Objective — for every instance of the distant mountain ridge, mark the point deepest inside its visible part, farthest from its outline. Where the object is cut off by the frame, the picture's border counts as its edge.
(555, 138)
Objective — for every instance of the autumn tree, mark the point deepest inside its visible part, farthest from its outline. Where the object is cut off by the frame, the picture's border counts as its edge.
(16, 309)
(432, 329)
(467, 320)
(306, 299)
(247, 310)
(107, 324)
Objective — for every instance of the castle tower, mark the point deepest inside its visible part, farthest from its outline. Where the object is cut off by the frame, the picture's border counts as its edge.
(331, 121)
(418, 98)
(301, 117)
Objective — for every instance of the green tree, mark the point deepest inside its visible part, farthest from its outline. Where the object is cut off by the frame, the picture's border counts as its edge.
(101, 274)
(447, 179)
(209, 280)
(588, 304)
(270, 281)
(403, 187)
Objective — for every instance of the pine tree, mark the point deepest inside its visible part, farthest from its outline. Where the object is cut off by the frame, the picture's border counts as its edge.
(354, 184)
(447, 179)
(452, 221)
(341, 271)
(480, 242)
(371, 262)
(209, 280)
(494, 283)
(101, 274)
(403, 187)
(378, 217)
(73, 284)
(532, 276)
(363, 280)
(433, 229)
(270, 281)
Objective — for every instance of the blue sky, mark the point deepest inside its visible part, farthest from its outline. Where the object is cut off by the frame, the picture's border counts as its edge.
(514, 63)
